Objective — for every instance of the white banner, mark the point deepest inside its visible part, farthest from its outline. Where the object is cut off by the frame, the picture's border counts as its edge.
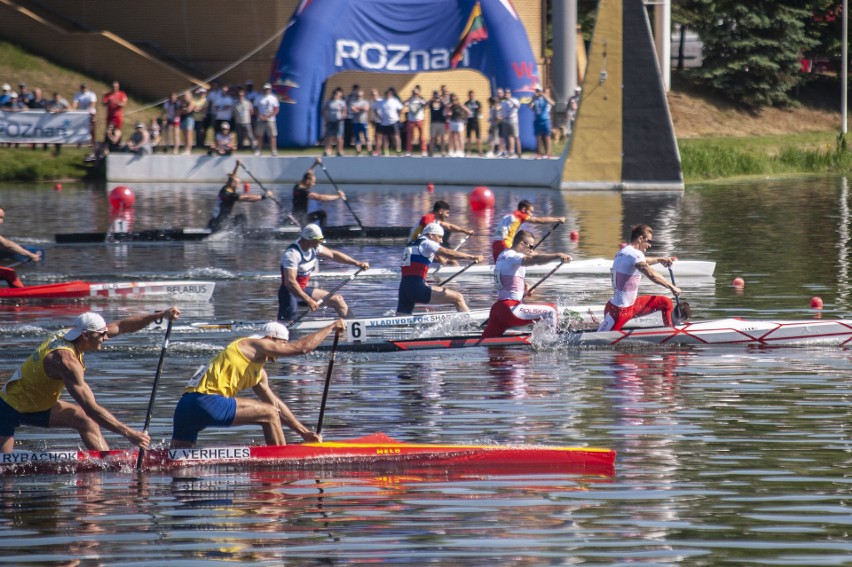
(39, 126)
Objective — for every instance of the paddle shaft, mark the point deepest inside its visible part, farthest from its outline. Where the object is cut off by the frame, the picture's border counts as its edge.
(674, 283)
(327, 381)
(547, 275)
(460, 272)
(329, 294)
(555, 226)
(345, 200)
(150, 411)
(265, 190)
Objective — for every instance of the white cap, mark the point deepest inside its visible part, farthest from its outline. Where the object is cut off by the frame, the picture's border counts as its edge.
(312, 232)
(6, 87)
(433, 228)
(225, 126)
(275, 330)
(86, 322)
(267, 86)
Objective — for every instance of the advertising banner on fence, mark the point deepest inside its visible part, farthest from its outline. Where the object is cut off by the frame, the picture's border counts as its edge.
(326, 37)
(40, 127)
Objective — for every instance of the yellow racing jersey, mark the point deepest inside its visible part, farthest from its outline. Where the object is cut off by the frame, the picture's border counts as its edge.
(228, 373)
(30, 389)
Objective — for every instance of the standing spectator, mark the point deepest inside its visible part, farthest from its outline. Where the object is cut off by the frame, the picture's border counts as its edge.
(37, 102)
(6, 94)
(541, 105)
(376, 106)
(335, 114)
(243, 112)
(86, 100)
(573, 106)
(494, 140)
(267, 110)
(251, 94)
(199, 115)
(186, 111)
(209, 114)
(391, 107)
(348, 135)
(509, 107)
(458, 118)
(25, 95)
(359, 111)
(115, 101)
(437, 132)
(223, 108)
(416, 108)
(140, 141)
(475, 109)
(223, 143)
(56, 105)
(171, 109)
(445, 98)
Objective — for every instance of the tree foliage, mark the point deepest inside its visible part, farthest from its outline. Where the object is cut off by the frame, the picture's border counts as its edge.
(752, 50)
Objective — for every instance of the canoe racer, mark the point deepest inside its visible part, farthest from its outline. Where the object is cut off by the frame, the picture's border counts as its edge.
(31, 396)
(210, 396)
(299, 261)
(629, 265)
(9, 274)
(416, 259)
(509, 272)
(504, 231)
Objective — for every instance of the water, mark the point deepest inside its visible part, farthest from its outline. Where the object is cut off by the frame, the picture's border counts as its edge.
(726, 456)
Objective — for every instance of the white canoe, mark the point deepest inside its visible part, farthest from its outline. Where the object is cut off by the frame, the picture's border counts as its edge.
(594, 266)
(195, 291)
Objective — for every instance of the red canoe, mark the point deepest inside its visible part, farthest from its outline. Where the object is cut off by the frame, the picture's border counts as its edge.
(377, 451)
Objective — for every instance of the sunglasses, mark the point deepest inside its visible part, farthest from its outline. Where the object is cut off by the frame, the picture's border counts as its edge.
(100, 334)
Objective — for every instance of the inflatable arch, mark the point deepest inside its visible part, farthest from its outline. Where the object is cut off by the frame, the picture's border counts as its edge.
(325, 37)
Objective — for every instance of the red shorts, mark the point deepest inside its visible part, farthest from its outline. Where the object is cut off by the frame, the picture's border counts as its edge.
(616, 317)
(511, 313)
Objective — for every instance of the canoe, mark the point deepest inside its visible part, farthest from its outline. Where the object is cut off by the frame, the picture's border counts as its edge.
(592, 266)
(196, 291)
(717, 332)
(372, 452)
(289, 233)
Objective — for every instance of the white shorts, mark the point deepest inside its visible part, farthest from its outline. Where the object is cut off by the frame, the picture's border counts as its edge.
(456, 126)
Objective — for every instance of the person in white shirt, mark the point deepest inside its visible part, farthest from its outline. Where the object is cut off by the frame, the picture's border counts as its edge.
(509, 273)
(86, 100)
(391, 106)
(628, 267)
(267, 110)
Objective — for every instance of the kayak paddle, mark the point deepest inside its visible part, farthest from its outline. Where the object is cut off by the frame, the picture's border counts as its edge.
(141, 457)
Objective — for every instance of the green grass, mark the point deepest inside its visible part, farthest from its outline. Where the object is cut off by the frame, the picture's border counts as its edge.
(718, 158)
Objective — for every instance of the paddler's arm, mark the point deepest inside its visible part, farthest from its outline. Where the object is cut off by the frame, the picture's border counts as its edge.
(657, 278)
(133, 324)
(62, 364)
(458, 255)
(265, 349)
(666, 261)
(294, 288)
(535, 259)
(342, 258)
(545, 220)
(263, 392)
(17, 249)
(454, 228)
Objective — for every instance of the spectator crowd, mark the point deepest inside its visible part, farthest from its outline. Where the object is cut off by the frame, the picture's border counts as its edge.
(232, 118)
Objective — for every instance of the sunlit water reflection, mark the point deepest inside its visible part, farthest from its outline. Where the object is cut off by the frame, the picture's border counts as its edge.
(726, 455)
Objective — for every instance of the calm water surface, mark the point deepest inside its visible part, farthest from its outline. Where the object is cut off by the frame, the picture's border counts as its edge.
(726, 456)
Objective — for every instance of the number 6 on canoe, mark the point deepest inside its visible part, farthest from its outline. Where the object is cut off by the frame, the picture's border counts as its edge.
(141, 457)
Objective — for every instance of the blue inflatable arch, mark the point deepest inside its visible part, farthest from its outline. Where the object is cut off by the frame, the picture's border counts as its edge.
(325, 37)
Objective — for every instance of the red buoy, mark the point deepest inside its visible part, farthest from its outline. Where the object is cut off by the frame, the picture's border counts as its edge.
(57, 187)
(481, 198)
(246, 187)
(122, 197)
(816, 302)
(575, 236)
(430, 187)
(738, 282)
